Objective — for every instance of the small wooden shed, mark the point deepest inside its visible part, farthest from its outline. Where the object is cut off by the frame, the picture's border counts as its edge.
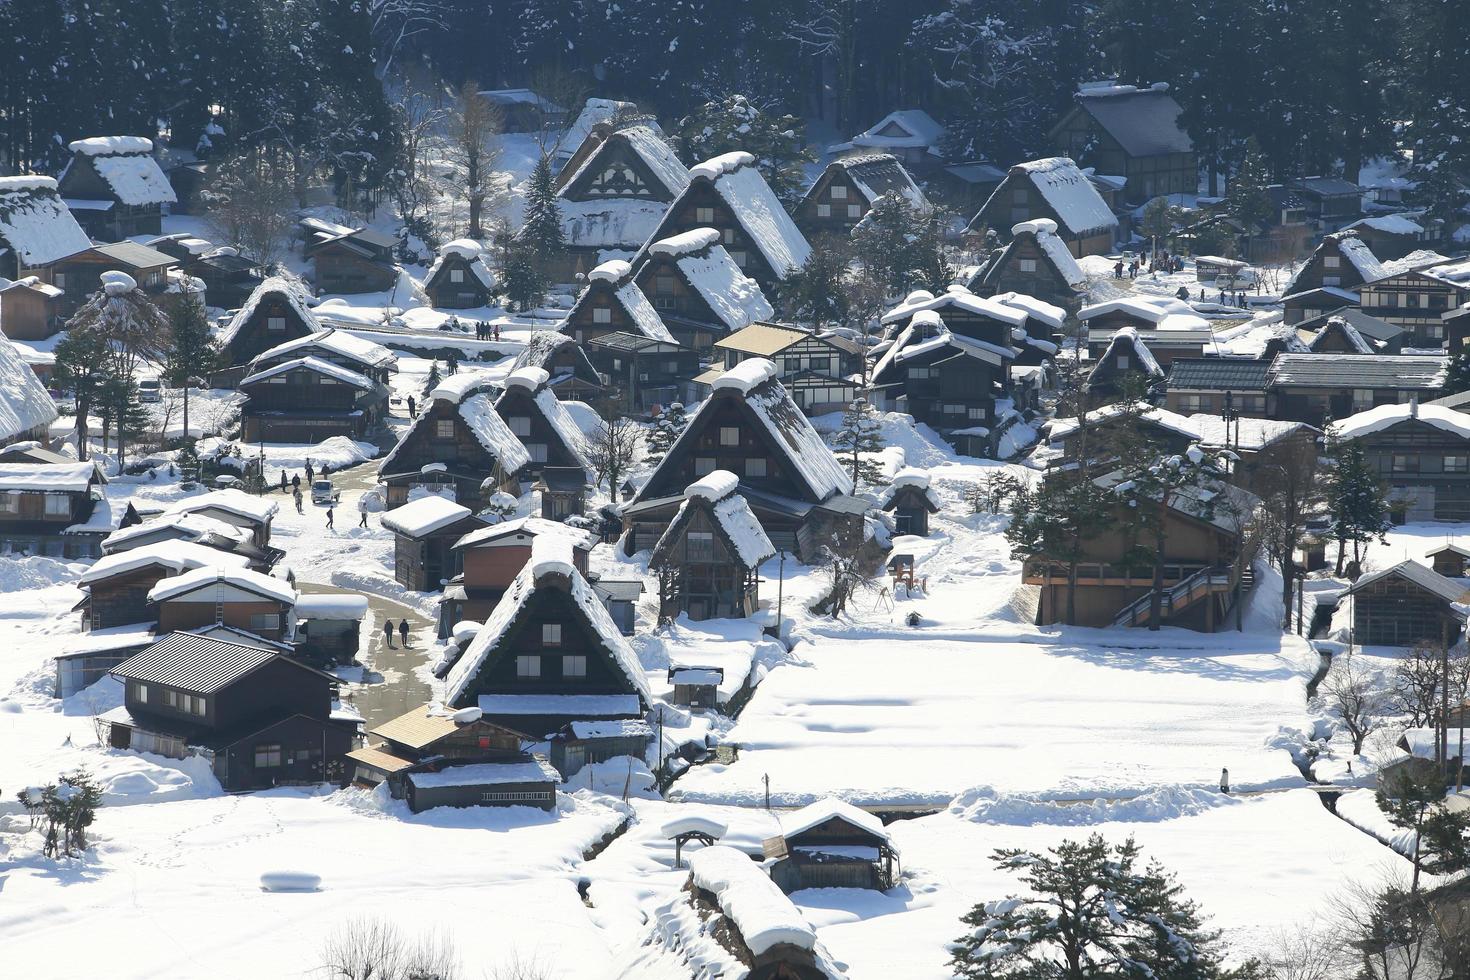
(910, 501)
(1407, 604)
(696, 687)
(832, 844)
(525, 781)
(424, 532)
(1450, 560)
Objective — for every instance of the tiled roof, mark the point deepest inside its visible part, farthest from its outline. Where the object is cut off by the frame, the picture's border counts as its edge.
(1219, 374)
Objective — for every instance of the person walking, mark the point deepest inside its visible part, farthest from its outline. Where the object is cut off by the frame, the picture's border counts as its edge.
(309, 471)
(362, 511)
(297, 494)
(296, 483)
(388, 632)
(413, 408)
(497, 331)
(331, 516)
(326, 470)
(403, 630)
(283, 481)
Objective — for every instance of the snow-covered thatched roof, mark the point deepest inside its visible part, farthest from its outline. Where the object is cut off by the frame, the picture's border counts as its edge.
(477, 410)
(757, 209)
(292, 291)
(1069, 194)
(346, 376)
(243, 579)
(717, 493)
(1126, 341)
(710, 271)
(470, 251)
(334, 341)
(24, 402)
(535, 380)
(618, 274)
(126, 164)
(35, 222)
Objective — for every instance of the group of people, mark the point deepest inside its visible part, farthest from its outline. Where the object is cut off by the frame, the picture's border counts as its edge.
(388, 631)
(484, 329)
(294, 484)
(1165, 263)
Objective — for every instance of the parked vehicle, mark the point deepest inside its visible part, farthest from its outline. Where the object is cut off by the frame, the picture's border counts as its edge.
(322, 492)
(150, 390)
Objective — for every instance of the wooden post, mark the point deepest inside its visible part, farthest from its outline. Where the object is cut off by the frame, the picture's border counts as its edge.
(1444, 694)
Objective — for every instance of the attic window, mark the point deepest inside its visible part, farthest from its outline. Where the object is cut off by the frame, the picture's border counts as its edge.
(839, 193)
(528, 666)
(444, 429)
(854, 210)
(729, 435)
(703, 465)
(275, 323)
(1331, 261)
(755, 466)
(601, 314)
(824, 210)
(701, 546)
(1123, 363)
(1028, 265)
(704, 216)
(520, 425)
(574, 666)
(456, 275)
(551, 634)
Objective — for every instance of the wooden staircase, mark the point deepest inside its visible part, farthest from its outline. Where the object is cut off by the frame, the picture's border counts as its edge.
(1179, 597)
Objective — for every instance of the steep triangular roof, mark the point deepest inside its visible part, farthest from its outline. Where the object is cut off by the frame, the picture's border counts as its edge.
(531, 383)
(462, 251)
(24, 402)
(477, 411)
(550, 568)
(647, 147)
(716, 496)
(1338, 327)
(545, 345)
(1066, 190)
(292, 291)
(1126, 340)
(616, 277)
(36, 223)
(709, 270)
(126, 165)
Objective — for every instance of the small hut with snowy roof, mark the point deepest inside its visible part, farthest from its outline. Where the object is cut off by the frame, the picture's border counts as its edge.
(531, 410)
(611, 302)
(708, 561)
(277, 311)
(115, 187)
(457, 440)
(1036, 262)
(491, 558)
(698, 288)
(910, 500)
(549, 654)
(1126, 357)
(1052, 188)
(728, 193)
(612, 198)
(26, 408)
(832, 844)
(424, 533)
(750, 427)
(459, 279)
(572, 375)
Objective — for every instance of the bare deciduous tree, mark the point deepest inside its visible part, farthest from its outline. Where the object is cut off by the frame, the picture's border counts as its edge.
(474, 129)
(395, 21)
(611, 449)
(251, 206)
(1415, 685)
(366, 948)
(1313, 951)
(1358, 697)
(1290, 494)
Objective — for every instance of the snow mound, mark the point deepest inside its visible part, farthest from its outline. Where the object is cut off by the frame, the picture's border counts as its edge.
(100, 145)
(530, 378)
(725, 163)
(984, 804)
(551, 554)
(35, 572)
(1035, 226)
(290, 881)
(118, 283)
(612, 271)
(715, 486)
(746, 375)
(690, 241)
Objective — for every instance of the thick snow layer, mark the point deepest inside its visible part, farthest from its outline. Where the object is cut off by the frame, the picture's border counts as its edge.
(1385, 416)
(1052, 316)
(1070, 195)
(292, 291)
(101, 145)
(612, 271)
(759, 212)
(1061, 258)
(457, 387)
(135, 178)
(551, 554)
(685, 243)
(177, 556)
(733, 296)
(339, 342)
(813, 814)
(36, 223)
(714, 486)
(746, 375)
(694, 824)
(1089, 713)
(487, 773)
(1127, 338)
(559, 417)
(331, 605)
(24, 402)
(610, 223)
(424, 516)
(239, 578)
(237, 502)
(642, 312)
(530, 378)
(55, 477)
(470, 250)
(345, 375)
(478, 412)
(746, 894)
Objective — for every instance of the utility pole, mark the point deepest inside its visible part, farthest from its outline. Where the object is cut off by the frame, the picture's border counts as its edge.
(780, 595)
(767, 779)
(1444, 694)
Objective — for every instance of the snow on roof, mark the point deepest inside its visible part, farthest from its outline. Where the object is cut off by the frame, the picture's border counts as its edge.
(594, 112)
(1144, 121)
(750, 899)
(1056, 250)
(1350, 333)
(331, 605)
(470, 250)
(611, 271)
(36, 223)
(561, 420)
(1356, 251)
(714, 486)
(610, 223)
(958, 298)
(1129, 336)
(1385, 416)
(521, 589)
(815, 814)
(126, 163)
(1390, 224)
(1421, 575)
(908, 477)
(747, 375)
(24, 402)
(237, 502)
(733, 296)
(694, 824)
(530, 526)
(758, 210)
(650, 147)
(422, 517)
(52, 477)
(293, 291)
(342, 374)
(686, 242)
(34, 283)
(1069, 194)
(112, 638)
(192, 527)
(642, 313)
(540, 348)
(239, 578)
(731, 512)
(876, 174)
(338, 342)
(457, 387)
(900, 129)
(535, 770)
(1053, 316)
(529, 378)
(177, 556)
(1164, 312)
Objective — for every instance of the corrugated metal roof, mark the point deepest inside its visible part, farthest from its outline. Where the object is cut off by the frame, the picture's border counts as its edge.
(1219, 374)
(195, 663)
(1358, 371)
(764, 339)
(417, 728)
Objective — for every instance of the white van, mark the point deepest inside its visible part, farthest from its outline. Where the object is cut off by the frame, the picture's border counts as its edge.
(150, 390)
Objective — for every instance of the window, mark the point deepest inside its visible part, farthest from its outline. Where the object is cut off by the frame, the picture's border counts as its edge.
(739, 256)
(854, 210)
(703, 465)
(755, 466)
(601, 314)
(727, 236)
(197, 705)
(1331, 261)
(57, 505)
(574, 666)
(701, 546)
(976, 414)
(839, 193)
(1332, 280)
(59, 280)
(824, 210)
(1405, 464)
(170, 699)
(1192, 403)
(1457, 464)
(671, 366)
(1028, 265)
(444, 429)
(9, 503)
(919, 374)
(275, 323)
(1434, 331)
(1390, 299)
(704, 216)
(456, 275)
(953, 409)
(729, 435)
(140, 693)
(528, 666)
(268, 755)
(551, 634)
(1018, 195)
(265, 621)
(1123, 363)
(663, 285)
(537, 451)
(1412, 301)
(520, 425)
(1362, 399)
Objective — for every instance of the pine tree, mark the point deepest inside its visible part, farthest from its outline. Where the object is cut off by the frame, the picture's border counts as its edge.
(431, 382)
(815, 293)
(666, 431)
(1357, 500)
(860, 438)
(541, 231)
(734, 122)
(1416, 802)
(1458, 378)
(1089, 912)
(902, 245)
(192, 350)
(82, 368)
(1054, 522)
(524, 284)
